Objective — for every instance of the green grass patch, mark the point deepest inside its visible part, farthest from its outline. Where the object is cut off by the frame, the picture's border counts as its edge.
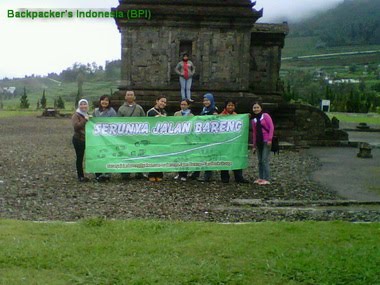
(373, 119)
(97, 251)
(298, 46)
(18, 113)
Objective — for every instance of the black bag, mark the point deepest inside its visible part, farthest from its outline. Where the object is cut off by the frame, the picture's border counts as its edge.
(275, 145)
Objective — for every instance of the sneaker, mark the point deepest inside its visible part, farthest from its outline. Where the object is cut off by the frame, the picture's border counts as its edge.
(183, 179)
(264, 182)
(152, 179)
(102, 178)
(158, 179)
(257, 181)
(176, 177)
(83, 179)
(191, 100)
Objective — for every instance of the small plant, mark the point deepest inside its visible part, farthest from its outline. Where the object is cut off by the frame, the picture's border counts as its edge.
(95, 222)
(43, 100)
(24, 104)
(60, 103)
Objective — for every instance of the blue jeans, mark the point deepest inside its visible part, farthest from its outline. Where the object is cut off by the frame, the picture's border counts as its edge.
(263, 157)
(185, 87)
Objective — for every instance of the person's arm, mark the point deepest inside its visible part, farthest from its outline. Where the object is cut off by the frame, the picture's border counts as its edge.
(177, 69)
(269, 122)
(120, 112)
(112, 112)
(142, 112)
(254, 135)
(78, 124)
(192, 69)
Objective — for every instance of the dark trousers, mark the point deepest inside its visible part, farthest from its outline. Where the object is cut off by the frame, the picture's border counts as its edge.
(207, 177)
(79, 147)
(225, 175)
(182, 174)
(156, 174)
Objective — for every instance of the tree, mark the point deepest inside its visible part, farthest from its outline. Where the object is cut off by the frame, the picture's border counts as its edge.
(24, 104)
(77, 98)
(60, 103)
(43, 100)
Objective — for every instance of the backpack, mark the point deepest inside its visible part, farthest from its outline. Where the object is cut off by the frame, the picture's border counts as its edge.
(275, 145)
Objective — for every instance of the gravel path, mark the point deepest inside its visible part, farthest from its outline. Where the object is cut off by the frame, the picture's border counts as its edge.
(39, 183)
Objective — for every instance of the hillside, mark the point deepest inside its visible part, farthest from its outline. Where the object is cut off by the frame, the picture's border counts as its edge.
(92, 80)
(353, 22)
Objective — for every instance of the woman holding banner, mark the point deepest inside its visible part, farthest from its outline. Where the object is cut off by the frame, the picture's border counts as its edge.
(157, 111)
(79, 120)
(229, 109)
(104, 110)
(263, 130)
(209, 109)
(185, 111)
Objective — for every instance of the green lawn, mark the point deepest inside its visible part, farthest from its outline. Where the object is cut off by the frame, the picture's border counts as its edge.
(356, 118)
(151, 252)
(7, 114)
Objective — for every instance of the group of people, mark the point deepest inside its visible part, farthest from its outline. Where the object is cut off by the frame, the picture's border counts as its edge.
(262, 127)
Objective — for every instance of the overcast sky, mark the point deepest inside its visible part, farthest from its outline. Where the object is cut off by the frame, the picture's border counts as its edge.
(51, 45)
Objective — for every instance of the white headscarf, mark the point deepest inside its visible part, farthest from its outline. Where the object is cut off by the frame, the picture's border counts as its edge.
(79, 111)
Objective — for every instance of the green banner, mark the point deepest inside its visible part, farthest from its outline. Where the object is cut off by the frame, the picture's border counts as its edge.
(166, 144)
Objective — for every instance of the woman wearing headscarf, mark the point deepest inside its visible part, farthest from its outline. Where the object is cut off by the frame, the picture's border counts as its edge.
(263, 129)
(79, 120)
(209, 109)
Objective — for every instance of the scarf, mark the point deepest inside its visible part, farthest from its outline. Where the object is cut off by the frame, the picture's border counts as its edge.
(79, 111)
(225, 112)
(259, 130)
(210, 110)
(185, 70)
(185, 112)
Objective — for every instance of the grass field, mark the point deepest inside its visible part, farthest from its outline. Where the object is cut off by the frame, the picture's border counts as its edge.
(96, 251)
(92, 90)
(373, 119)
(299, 46)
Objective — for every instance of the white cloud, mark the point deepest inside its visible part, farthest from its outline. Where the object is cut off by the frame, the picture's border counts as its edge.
(49, 45)
(42, 46)
(292, 10)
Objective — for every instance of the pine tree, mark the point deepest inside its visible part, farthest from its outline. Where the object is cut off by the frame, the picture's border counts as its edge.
(43, 100)
(24, 104)
(60, 103)
(77, 98)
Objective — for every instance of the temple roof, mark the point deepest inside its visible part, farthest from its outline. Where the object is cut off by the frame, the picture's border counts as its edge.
(236, 12)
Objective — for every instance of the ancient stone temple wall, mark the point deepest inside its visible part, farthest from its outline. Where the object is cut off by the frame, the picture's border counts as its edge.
(235, 58)
(267, 41)
(150, 55)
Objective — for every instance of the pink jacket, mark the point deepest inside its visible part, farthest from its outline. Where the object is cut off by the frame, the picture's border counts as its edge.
(267, 127)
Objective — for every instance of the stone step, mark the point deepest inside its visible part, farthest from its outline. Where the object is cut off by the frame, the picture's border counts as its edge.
(301, 203)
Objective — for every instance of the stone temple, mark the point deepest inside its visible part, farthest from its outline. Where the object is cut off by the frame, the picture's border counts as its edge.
(234, 56)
